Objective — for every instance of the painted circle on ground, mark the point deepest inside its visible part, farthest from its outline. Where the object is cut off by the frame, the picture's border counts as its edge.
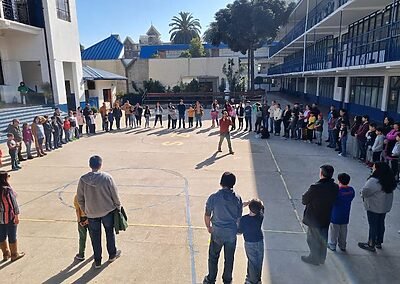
(165, 183)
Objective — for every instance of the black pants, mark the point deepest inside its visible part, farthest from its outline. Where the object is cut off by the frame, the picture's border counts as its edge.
(118, 122)
(240, 122)
(258, 123)
(376, 156)
(277, 126)
(376, 224)
(182, 119)
(80, 130)
(169, 121)
(56, 139)
(394, 164)
(174, 123)
(214, 251)
(233, 122)
(310, 135)
(248, 123)
(48, 140)
(158, 118)
(190, 122)
(286, 128)
(317, 240)
(87, 119)
(138, 120)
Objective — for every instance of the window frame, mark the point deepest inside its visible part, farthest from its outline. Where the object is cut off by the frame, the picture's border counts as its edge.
(64, 11)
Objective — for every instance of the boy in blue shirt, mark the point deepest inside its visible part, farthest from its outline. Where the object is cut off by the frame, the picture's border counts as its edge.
(341, 214)
(250, 227)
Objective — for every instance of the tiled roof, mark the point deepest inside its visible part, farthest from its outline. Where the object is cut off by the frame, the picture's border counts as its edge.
(107, 49)
(90, 73)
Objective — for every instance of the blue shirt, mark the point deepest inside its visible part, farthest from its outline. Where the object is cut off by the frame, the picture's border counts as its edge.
(250, 226)
(341, 208)
(225, 208)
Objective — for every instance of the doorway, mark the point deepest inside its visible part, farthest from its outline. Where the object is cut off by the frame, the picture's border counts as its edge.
(71, 102)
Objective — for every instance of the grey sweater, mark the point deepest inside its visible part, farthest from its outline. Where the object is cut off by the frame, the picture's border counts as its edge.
(97, 194)
(374, 198)
(378, 144)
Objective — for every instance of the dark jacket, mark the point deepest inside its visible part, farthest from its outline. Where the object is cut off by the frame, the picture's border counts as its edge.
(117, 112)
(319, 200)
(16, 131)
(362, 131)
(181, 109)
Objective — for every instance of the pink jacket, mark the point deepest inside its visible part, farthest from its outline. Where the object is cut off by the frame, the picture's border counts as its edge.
(391, 136)
(27, 135)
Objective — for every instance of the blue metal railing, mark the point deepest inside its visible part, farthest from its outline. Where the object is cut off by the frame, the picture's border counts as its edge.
(16, 11)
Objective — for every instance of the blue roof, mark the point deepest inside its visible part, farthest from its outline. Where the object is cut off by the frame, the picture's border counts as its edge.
(107, 49)
(147, 51)
(91, 74)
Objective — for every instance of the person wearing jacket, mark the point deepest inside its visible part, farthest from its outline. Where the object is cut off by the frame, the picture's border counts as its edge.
(377, 195)
(181, 111)
(361, 137)
(271, 116)
(377, 147)
(248, 116)
(240, 115)
(98, 197)
(14, 129)
(278, 119)
(9, 220)
(319, 200)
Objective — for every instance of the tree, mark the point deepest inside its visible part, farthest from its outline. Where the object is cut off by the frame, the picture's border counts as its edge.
(233, 75)
(246, 34)
(184, 28)
(153, 86)
(193, 86)
(196, 48)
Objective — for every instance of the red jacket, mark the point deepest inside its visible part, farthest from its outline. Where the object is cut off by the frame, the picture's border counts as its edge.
(67, 125)
(224, 125)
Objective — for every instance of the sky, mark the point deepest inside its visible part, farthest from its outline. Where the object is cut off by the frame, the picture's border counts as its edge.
(97, 19)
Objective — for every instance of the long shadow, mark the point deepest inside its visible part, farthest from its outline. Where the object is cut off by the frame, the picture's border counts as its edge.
(90, 274)
(209, 161)
(205, 130)
(66, 273)
(213, 133)
(160, 132)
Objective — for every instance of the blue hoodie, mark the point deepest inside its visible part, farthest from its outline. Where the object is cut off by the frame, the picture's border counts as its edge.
(341, 208)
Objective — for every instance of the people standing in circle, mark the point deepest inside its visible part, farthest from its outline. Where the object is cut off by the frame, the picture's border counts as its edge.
(138, 111)
(158, 111)
(181, 113)
(117, 114)
(9, 220)
(214, 113)
(222, 214)
(319, 200)
(224, 132)
(240, 115)
(98, 197)
(38, 134)
(199, 111)
(377, 195)
(248, 116)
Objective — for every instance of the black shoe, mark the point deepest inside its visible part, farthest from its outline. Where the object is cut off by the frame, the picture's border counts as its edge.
(343, 249)
(307, 259)
(367, 247)
(117, 254)
(379, 246)
(21, 159)
(97, 264)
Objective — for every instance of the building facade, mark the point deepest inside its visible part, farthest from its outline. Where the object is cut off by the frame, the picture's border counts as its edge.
(39, 45)
(342, 52)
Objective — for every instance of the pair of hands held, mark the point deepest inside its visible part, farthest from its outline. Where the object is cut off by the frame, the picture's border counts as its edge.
(210, 229)
(83, 224)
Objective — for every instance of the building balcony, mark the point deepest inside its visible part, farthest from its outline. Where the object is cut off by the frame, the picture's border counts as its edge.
(15, 10)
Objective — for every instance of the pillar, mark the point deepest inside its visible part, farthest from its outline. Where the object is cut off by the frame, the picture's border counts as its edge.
(317, 91)
(385, 93)
(337, 91)
(348, 90)
(297, 84)
(305, 85)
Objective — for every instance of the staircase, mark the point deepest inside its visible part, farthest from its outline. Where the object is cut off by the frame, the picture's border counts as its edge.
(23, 114)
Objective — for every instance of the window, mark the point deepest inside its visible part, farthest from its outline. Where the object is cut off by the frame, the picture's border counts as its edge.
(367, 91)
(91, 85)
(1, 74)
(394, 102)
(63, 12)
(326, 87)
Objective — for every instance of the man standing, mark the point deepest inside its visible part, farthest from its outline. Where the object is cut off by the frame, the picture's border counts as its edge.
(224, 132)
(98, 198)
(223, 211)
(271, 116)
(86, 113)
(181, 111)
(247, 116)
(265, 114)
(319, 200)
(14, 129)
(127, 107)
(103, 113)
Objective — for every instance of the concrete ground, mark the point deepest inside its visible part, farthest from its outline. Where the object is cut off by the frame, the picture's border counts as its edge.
(164, 178)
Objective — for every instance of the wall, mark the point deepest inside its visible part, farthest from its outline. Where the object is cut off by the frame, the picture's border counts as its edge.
(98, 92)
(138, 72)
(114, 66)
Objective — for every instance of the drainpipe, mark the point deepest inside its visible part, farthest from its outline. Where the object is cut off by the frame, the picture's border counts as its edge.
(47, 53)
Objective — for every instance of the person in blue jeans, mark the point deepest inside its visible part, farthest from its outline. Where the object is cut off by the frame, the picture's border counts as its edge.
(223, 211)
(98, 197)
(343, 134)
(250, 226)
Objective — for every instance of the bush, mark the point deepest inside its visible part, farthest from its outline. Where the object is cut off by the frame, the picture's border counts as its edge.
(94, 109)
(176, 89)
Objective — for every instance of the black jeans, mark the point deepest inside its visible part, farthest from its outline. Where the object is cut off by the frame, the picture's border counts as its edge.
(214, 251)
(317, 240)
(182, 119)
(376, 227)
(190, 121)
(278, 126)
(240, 122)
(169, 121)
(158, 118)
(118, 122)
(248, 123)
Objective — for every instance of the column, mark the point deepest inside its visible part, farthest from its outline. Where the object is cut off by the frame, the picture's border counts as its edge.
(1, 10)
(297, 84)
(347, 91)
(317, 91)
(305, 85)
(337, 91)
(385, 93)
(60, 98)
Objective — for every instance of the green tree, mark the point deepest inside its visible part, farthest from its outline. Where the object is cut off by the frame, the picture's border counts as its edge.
(196, 48)
(184, 28)
(153, 86)
(233, 75)
(193, 86)
(245, 34)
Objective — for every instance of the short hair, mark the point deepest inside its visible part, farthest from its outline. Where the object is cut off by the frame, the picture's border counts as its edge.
(256, 206)
(10, 135)
(366, 117)
(344, 178)
(95, 162)
(228, 179)
(327, 171)
(372, 124)
(379, 129)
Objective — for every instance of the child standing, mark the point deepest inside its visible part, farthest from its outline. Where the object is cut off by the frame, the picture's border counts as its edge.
(371, 136)
(48, 131)
(110, 117)
(343, 138)
(319, 129)
(67, 128)
(92, 121)
(250, 227)
(299, 127)
(147, 115)
(341, 214)
(378, 145)
(56, 133)
(174, 117)
(293, 125)
(191, 112)
(28, 139)
(310, 127)
(83, 224)
(13, 150)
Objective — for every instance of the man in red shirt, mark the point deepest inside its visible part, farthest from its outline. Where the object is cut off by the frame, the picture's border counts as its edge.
(224, 124)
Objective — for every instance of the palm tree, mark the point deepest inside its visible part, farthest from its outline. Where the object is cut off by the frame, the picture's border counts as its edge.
(184, 28)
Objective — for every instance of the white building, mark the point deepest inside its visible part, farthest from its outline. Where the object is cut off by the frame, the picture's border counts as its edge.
(39, 45)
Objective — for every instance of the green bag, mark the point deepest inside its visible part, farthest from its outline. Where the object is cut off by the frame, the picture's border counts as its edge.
(120, 220)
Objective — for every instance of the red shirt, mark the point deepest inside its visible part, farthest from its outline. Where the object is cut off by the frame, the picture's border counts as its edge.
(224, 125)
(67, 125)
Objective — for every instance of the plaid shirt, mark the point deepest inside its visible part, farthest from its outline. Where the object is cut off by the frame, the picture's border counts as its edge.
(8, 206)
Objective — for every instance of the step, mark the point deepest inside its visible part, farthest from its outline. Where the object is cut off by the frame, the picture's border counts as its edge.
(16, 113)
(21, 109)
(28, 118)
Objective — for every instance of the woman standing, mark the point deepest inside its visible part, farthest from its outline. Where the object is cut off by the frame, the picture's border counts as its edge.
(240, 115)
(390, 141)
(117, 114)
(9, 220)
(214, 113)
(158, 112)
(199, 111)
(377, 195)
(353, 130)
(38, 134)
(80, 119)
(287, 114)
(387, 125)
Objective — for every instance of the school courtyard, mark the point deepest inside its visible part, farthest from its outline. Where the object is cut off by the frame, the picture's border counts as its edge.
(164, 178)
